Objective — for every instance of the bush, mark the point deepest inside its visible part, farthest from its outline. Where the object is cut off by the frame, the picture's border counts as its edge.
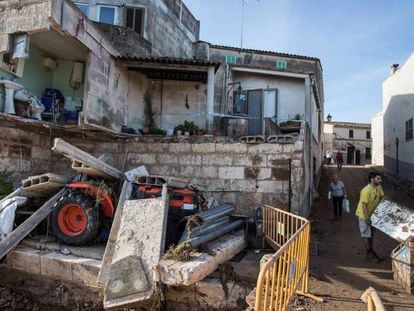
(6, 186)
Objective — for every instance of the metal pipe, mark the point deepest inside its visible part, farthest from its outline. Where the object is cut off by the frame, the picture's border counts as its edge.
(290, 185)
(204, 229)
(197, 241)
(218, 210)
(216, 215)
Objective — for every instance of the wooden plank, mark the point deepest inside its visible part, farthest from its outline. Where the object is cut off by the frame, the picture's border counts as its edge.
(86, 159)
(28, 225)
(110, 245)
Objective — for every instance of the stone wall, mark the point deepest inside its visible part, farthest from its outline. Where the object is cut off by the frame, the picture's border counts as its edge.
(247, 175)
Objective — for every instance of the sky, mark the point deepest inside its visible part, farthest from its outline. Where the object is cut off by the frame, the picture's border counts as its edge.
(357, 41)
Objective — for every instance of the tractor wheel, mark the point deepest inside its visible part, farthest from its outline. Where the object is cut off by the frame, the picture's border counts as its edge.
(76, 219)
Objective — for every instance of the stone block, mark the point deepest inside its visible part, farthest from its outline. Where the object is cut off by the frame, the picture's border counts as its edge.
(264, 174)
(85, 270)
(298, 146)
(25, 259)
(280, 173)
(167, 159)
(162, 170)
(241, 184)
(288, 148)
(179, 147)
(177, 273)
(190, 159)
(204, 148)
(231, 148)
(41, 152)
(270, 186)
(209, 172)
(249, 160)
(182, 171)
(265, 149)
(278, 160)
(217, 159)
(57, 265)
(231, 172)
(142, 158)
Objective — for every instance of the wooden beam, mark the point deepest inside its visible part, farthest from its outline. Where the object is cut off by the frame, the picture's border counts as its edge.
(28, 225)
(86, 159)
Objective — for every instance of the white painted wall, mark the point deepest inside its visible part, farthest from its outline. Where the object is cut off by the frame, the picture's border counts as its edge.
(398, 107)
(291, 92)
(378, 139)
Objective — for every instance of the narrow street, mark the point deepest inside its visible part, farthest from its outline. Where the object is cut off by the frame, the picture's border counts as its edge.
(341, 273)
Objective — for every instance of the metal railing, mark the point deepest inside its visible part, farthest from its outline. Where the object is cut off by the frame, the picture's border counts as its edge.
(281, 276)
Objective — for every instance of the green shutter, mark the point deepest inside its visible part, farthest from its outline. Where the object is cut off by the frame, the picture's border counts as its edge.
(231, 59)
(281, 64)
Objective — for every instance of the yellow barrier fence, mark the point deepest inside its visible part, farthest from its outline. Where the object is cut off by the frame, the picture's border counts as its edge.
(281, 276)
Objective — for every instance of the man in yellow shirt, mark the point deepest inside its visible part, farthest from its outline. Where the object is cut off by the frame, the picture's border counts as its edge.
(371, 196)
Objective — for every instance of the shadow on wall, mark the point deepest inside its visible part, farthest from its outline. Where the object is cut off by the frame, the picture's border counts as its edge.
(398, 151)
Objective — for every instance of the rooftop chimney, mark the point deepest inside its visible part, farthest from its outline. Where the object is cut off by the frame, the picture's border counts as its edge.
(394, 68)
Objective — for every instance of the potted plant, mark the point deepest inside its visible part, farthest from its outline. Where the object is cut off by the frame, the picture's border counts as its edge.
(187, 127)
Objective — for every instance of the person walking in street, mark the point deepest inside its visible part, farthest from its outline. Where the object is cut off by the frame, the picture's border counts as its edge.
(370, 197)
(328, 157)
(339, 161)
(338, 193)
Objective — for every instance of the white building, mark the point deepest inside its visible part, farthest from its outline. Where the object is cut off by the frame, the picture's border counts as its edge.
(393, 129)
(352, 140)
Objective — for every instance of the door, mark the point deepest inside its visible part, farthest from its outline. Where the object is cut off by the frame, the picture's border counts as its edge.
(254, 102)
(357, 157)
(350, 155)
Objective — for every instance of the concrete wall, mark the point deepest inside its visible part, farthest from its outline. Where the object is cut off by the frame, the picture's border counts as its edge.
(378, 139)
(168, 25)
(398, 107)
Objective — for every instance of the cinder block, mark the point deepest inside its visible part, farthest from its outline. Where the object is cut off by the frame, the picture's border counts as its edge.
(204, 148)
(231, 148)
(217, 159)
(86, 271)
(57, 265)
(231, 172)
(270, 186)
(25, 259)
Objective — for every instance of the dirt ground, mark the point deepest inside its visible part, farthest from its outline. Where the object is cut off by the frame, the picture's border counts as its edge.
(341, 273)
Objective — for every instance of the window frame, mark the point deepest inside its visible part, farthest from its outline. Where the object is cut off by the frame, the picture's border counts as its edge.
(409, 131)
(351, 133)
(116, 13)
(135, 8)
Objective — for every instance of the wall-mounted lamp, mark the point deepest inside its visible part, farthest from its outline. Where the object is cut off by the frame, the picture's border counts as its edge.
(49, 63)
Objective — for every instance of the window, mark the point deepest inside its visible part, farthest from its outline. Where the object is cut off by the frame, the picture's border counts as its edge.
(230, 59)
(367, 153)
(270, 103)
(281, 64)
(135, 19)
(368, 134)
(409, 130)
(107, 14)
(351, 133)
(84, 8)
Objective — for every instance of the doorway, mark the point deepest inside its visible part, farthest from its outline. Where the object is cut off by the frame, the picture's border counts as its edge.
(254, 100)
(350, 155)
(357, 157)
